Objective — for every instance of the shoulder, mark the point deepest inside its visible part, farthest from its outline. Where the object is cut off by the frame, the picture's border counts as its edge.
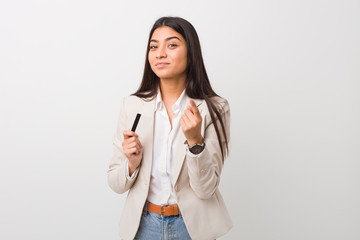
(220, 103)
(131, 105)
(220, 100)
(132, 100)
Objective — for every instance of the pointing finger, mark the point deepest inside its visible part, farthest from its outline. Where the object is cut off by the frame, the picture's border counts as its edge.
(194, 108)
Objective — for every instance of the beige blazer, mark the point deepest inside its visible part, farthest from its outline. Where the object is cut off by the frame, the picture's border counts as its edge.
(196, 178)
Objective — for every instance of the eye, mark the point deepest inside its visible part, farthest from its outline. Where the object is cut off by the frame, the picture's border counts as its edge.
(172, 45)
(153, 47)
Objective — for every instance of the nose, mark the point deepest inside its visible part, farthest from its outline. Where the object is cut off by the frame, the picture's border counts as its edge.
(161, 53)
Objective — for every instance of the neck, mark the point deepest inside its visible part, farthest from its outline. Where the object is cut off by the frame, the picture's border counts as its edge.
(171, 89)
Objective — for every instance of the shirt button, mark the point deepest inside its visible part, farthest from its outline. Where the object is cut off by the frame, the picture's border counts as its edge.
(177, 187)
(203, 171)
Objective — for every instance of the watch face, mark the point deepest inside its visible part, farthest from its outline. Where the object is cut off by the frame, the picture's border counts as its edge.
(196, 149)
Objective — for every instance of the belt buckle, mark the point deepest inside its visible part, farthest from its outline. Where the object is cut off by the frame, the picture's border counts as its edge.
(162, 210)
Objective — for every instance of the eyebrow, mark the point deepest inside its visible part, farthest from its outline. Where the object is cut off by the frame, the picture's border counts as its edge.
(167, 39)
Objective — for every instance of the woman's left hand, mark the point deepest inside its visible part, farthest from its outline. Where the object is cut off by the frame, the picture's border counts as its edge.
(191, 124)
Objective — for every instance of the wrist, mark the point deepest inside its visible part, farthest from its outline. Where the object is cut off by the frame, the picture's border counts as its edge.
(197, 148)
(192, 142)
(131, 168)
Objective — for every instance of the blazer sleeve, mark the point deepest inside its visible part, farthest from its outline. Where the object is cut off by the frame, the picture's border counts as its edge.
(117, 174)
(205, 168)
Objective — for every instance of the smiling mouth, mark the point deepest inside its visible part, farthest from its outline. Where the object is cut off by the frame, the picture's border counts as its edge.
(161, 64)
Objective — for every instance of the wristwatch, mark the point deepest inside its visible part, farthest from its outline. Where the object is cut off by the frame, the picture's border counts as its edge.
(197, 148)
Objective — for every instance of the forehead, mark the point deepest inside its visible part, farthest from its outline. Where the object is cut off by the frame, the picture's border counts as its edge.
(161, 33)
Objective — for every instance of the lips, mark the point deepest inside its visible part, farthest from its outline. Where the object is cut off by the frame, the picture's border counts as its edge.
(161, 64)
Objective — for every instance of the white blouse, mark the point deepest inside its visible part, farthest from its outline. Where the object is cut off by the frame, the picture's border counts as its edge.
(161, 190)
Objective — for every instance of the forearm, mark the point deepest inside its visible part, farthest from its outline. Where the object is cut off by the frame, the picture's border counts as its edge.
(204, 171)
(205, 168)
(119, 179)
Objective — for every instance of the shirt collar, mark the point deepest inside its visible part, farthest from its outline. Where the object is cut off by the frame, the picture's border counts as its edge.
(178, 105)
(158, 101)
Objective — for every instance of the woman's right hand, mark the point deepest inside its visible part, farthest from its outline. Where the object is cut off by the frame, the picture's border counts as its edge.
(133, 150)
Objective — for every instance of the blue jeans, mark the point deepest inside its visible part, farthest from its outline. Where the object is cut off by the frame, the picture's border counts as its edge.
(153, 226)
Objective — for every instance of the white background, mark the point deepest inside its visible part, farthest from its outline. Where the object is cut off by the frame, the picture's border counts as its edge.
(290, 70)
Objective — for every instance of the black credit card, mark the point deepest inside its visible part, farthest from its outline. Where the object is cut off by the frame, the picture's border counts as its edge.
(136, 122)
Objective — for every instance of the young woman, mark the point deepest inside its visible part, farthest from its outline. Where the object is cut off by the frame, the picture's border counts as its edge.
(172, 163)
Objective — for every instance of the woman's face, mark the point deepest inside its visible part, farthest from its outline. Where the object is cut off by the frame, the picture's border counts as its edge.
(168, 53)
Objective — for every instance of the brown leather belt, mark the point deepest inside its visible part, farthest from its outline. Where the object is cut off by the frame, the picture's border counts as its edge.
(164, 210)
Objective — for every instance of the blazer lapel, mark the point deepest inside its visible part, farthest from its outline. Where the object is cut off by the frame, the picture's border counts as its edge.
(181, 146)
(146, 129)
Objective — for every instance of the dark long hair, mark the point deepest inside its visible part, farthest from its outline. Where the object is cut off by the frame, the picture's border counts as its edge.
(197, 81)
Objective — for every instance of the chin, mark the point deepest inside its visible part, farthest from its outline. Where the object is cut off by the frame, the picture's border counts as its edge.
(167, 73)
(164, 75)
